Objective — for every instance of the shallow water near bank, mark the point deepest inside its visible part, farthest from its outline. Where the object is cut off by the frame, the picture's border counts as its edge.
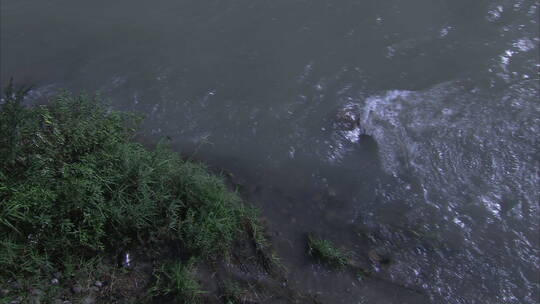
(280, 93)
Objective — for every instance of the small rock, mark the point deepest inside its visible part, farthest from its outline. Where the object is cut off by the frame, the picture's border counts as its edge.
(347, 119)
(16, 285)
(55, 281)
(377, 258)
(35, 292)
(77, 289)
(98, 284)
(353, 263)
(88, 300)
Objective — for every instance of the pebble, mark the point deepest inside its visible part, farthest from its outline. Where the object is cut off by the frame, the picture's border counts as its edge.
(16, 285)
(332, 193)
(93, 288)
(88, 300)
(35, 292)
(76, 289)
(98, 284)
(55, 281)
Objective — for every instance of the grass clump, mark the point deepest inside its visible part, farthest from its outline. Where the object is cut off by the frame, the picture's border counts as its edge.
(326, 252)
(177, 280)
(74, 183)
(233, 293)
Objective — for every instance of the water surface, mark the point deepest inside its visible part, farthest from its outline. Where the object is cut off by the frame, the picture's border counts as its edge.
(280, 93)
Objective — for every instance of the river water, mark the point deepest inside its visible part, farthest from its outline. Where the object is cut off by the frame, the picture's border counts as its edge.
(405, 127)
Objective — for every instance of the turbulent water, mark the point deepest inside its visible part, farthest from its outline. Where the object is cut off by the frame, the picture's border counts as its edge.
(419, 119)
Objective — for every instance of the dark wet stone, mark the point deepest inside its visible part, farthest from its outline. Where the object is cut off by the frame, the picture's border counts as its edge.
(368, 144)
(347, 119)
(376, 257)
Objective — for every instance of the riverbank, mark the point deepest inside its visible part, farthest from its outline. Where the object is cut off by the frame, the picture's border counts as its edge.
(88, 215)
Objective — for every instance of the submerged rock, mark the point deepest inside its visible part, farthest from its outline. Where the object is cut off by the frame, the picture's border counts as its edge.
(377, 258)
(347, 119)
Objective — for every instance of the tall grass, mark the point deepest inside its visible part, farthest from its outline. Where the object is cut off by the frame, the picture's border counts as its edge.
(177, 279)
(74, 183)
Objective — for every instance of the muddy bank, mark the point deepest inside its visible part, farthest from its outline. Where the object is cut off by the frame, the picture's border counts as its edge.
(297, 200)
(90, 216)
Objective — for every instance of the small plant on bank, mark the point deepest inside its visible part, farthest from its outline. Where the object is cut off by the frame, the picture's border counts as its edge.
(176, 280)
(232, 292)
(267, 257)
(326, 252)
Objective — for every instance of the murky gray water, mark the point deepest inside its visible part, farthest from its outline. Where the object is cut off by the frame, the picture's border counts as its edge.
(272, 91)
